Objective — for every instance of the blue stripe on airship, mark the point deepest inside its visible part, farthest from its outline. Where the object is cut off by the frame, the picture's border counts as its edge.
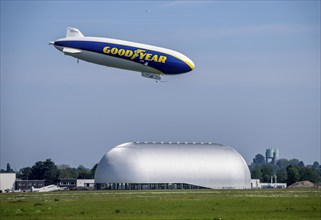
(163, 62)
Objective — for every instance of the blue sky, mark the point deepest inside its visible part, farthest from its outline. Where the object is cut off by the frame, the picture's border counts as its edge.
(256, 83)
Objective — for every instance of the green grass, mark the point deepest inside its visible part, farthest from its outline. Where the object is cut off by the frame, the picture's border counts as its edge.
(195, 204)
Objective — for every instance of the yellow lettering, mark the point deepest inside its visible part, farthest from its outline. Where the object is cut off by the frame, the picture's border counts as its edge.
(155, 58)
(128, 53)
(133, 54)
(142, 55)
(106, 50)
(148, 56)
(114, 50)
(137, 53)
(121, 52)
(162, 59)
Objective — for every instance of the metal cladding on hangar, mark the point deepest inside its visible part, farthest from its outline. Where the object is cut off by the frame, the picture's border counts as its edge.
(207, 165)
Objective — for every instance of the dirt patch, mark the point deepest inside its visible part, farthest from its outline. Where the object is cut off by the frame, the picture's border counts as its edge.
(302, 184)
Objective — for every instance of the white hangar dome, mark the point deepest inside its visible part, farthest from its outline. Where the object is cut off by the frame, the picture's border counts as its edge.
(145, 165)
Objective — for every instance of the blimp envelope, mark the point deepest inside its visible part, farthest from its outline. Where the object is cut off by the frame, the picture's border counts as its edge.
(150, 60)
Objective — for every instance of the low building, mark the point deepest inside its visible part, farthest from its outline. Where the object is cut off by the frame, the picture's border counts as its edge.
(68, 183)
(25, 185)
(273, 185)
(77, 184)
(7, 182)
(256, 184)
(86, 183)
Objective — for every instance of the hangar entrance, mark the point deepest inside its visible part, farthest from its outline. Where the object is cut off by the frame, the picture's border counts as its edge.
(146, 186)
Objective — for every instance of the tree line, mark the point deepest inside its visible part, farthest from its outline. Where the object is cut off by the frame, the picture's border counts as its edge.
(286, 171)
(47, 170)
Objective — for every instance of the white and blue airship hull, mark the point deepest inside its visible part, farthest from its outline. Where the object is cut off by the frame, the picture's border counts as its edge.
(151, 61)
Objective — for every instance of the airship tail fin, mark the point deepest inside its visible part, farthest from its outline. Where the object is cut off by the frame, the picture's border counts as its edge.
(73, 32)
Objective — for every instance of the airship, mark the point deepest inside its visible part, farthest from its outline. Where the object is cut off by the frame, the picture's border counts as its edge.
(151, 61)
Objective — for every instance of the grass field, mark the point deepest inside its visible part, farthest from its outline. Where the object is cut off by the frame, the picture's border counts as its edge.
(195, 204)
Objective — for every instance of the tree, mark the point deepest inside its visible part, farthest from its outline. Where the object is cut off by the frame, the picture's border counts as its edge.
(282, 164)
(289, 171)
(66, 171)
(83, 172)
(37, 171)
(24, 173)
(46, 170)
(316, 165)
(51, 172)
(309, 174)
(301, 164)
(256, 173)
(93, 171)
(267, 172)
(259, 159)
(294, 162)
(293, 174)
(281, 176)
(9, 170)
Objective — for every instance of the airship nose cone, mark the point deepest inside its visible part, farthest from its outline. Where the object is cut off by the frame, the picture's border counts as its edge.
(192, 65)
